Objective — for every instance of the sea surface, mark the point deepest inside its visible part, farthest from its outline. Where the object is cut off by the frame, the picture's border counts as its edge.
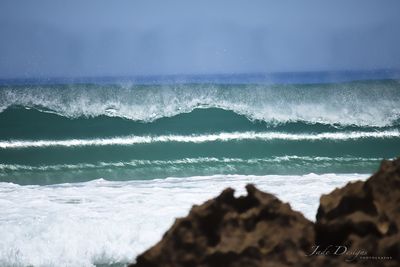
(93, 173)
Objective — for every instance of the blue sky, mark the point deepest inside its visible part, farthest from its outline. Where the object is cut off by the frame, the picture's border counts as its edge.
(114, 38)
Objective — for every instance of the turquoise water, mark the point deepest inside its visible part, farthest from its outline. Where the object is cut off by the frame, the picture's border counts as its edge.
(94, 174)
(80, 132)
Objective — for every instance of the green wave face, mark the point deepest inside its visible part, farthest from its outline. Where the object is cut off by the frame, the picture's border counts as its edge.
(54, 134)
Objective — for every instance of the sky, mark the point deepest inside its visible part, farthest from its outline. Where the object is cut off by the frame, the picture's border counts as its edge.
(119, 38)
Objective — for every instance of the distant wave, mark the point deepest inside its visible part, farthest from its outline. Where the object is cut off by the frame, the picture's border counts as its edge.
(372, 103)
(202, 138)
(185, 161)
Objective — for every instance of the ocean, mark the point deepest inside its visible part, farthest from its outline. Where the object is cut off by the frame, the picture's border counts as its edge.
(92, 173)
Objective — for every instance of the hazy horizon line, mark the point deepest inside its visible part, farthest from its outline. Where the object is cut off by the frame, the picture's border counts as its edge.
(314, 76)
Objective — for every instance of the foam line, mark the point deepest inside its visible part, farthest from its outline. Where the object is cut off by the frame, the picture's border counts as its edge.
(184, 161)
(203, 138)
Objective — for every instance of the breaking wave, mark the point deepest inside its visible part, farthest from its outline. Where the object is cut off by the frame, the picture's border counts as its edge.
(372, 103)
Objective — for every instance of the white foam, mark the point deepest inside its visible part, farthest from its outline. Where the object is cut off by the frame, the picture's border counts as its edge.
(202, 138)
(105, 222)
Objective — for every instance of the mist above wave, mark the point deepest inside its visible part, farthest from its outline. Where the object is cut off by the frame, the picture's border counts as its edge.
(360, 104)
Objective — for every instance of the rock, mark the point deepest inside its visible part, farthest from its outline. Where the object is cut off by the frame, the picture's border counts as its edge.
(364, 215)
(355, 225)
(253, 230)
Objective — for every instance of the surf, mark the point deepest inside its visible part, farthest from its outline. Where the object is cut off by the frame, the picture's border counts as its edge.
(49, 220)
(56, 133)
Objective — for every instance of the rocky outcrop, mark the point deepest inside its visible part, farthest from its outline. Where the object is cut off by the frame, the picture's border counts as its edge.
(356, 225)
(253, 230)
(364, 215)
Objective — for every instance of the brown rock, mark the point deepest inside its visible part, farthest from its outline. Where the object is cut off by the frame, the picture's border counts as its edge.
(364, 215)
(254, 230)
